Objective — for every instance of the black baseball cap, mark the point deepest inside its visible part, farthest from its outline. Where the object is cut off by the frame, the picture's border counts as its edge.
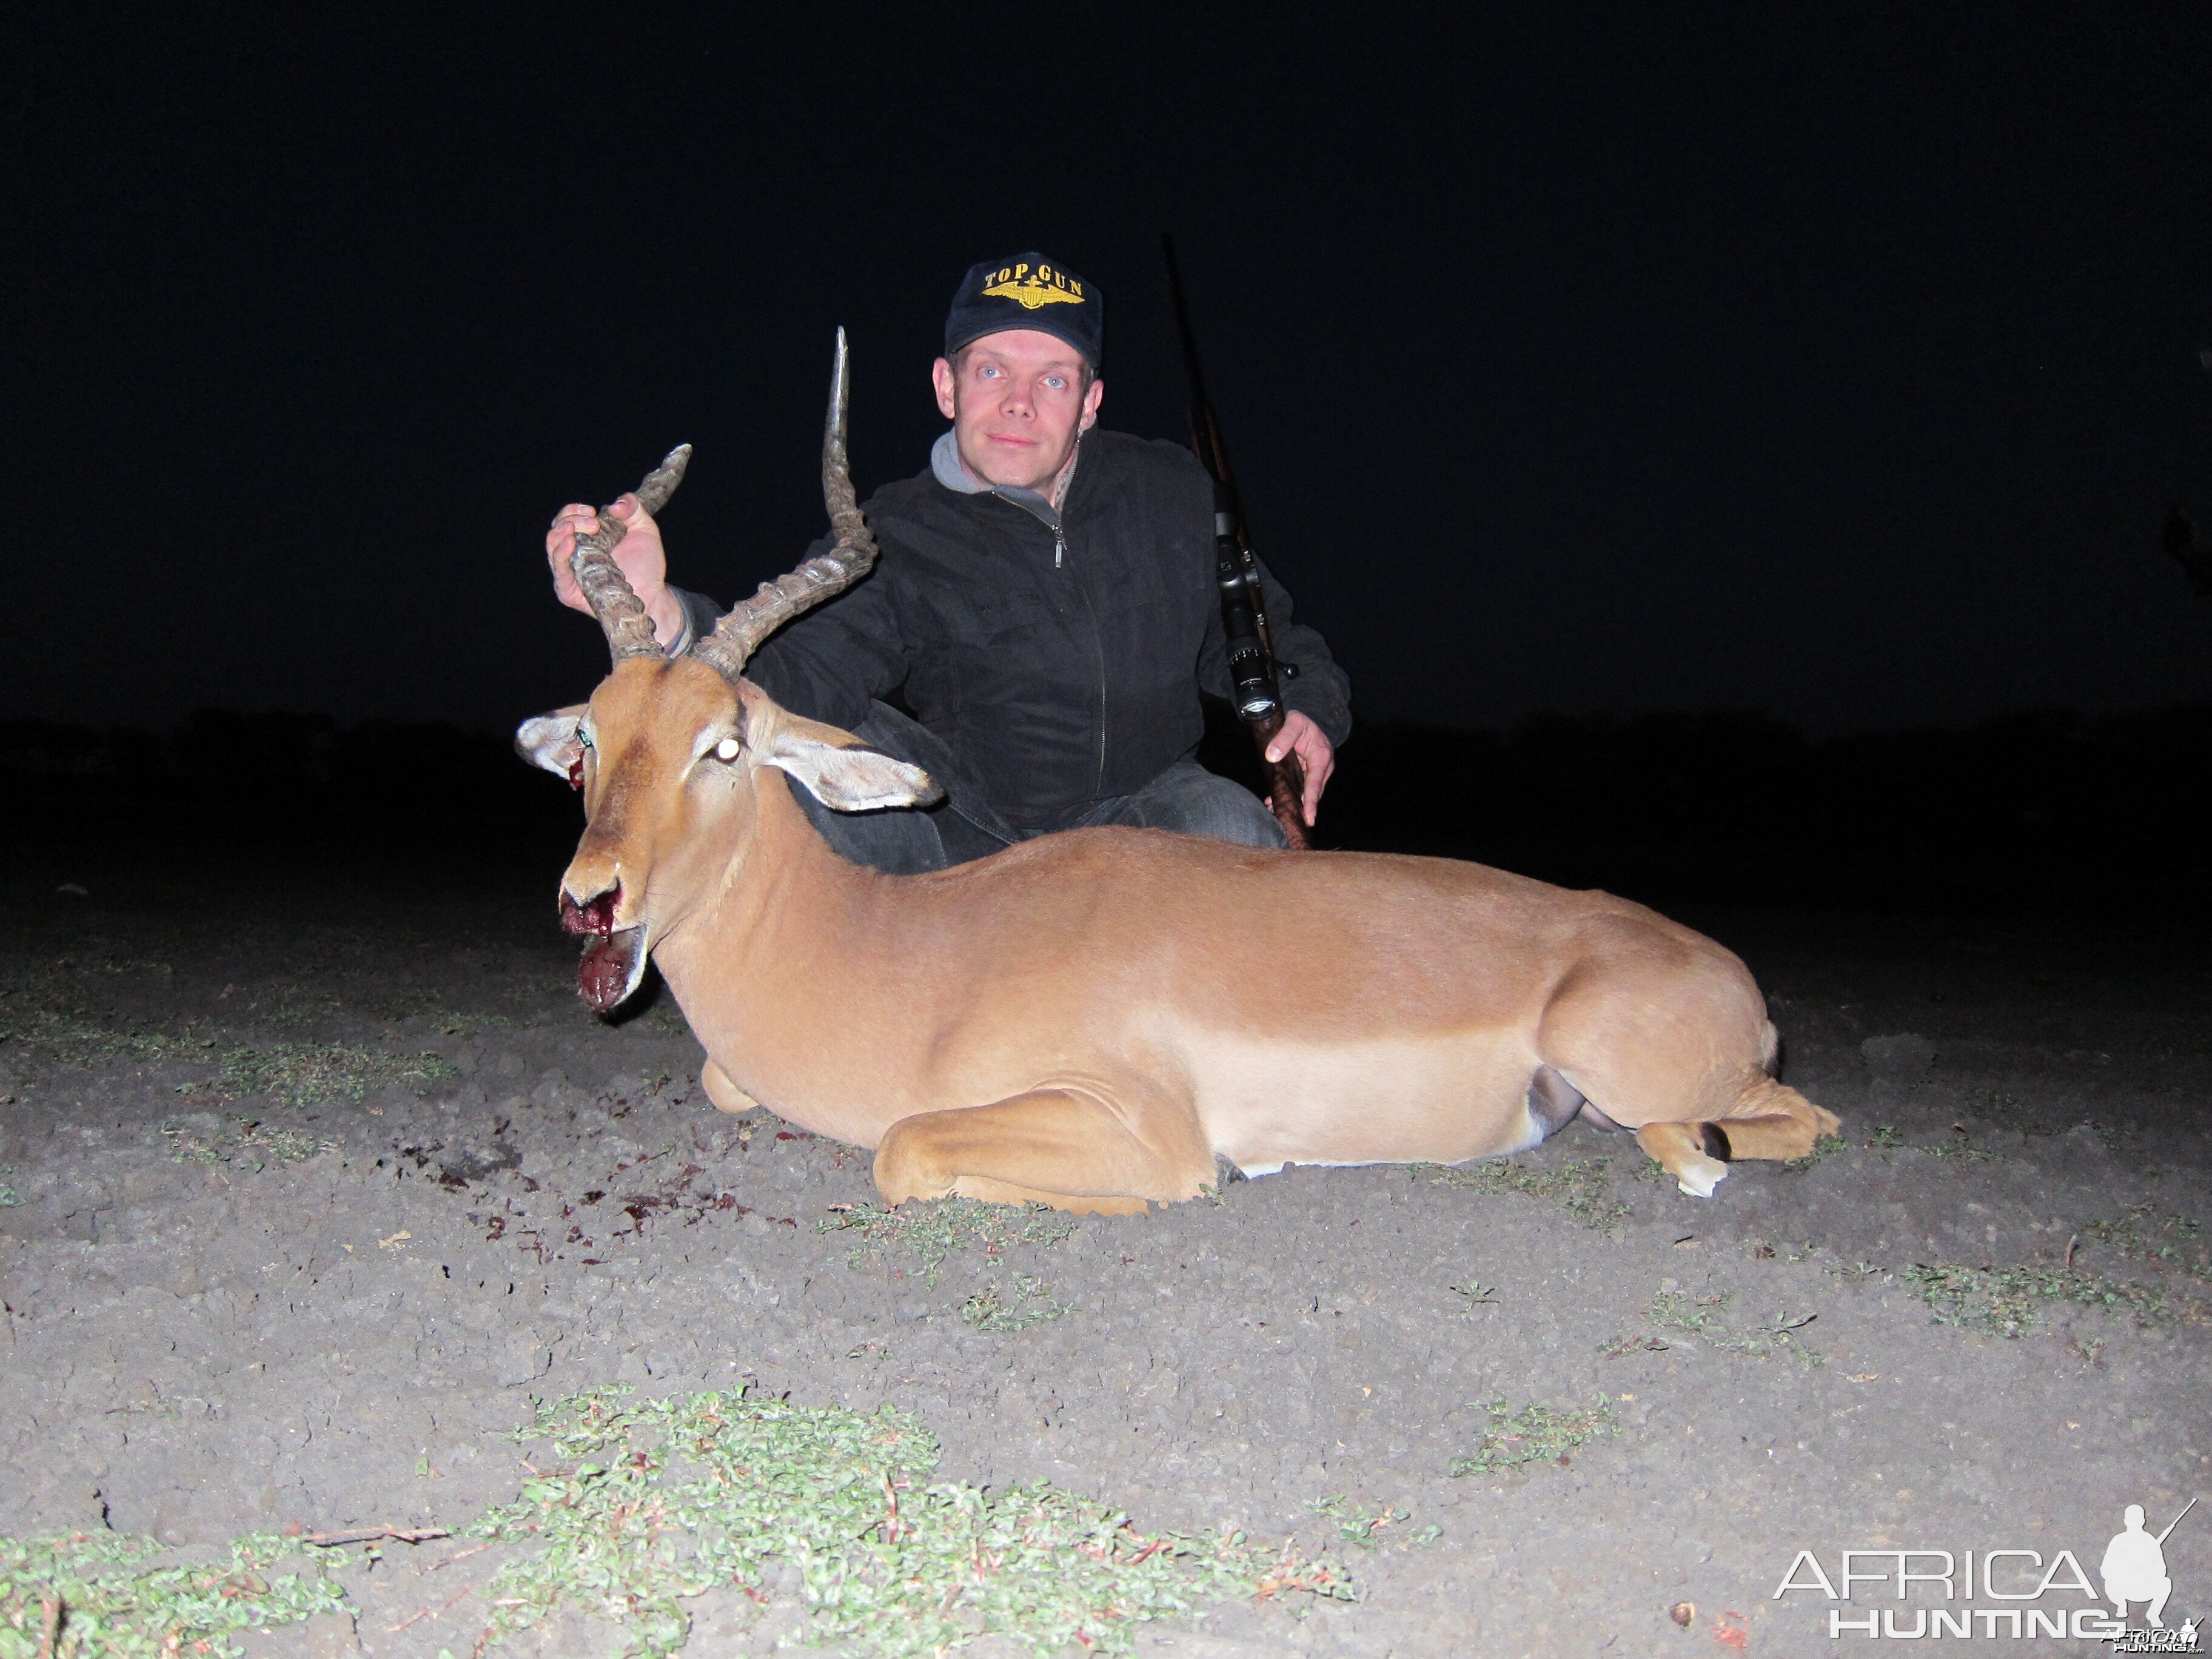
(1028, 291)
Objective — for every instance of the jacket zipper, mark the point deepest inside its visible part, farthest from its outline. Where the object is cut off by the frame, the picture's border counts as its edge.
(1097, 634)
(1098, 649)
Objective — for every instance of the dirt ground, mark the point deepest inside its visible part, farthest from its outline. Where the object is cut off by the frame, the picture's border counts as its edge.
(310, 1186)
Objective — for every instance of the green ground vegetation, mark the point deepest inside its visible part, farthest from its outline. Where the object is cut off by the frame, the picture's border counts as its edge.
(658, 1501)
(1576, 1190)
(634, 1507)
(2006, 1301)
(54, 1010)
(316, 1073)
(1702, 1317)
(1368, 1527)
(1031, 1304)
(238, 1140)
(2147, 1232)
(924, 1234)
(82, 1595)
(1537, 1433)
(1825, 1147)
(2007, 1111)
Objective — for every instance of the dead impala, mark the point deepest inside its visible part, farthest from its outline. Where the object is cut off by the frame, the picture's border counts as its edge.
(1075, 1020)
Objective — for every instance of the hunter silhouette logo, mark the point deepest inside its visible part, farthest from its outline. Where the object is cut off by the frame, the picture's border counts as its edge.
(1031, 289)
(1992, 1594)
(2134, 1568)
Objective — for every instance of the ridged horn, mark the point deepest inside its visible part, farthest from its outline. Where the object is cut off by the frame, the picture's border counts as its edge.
(629, 630)
(851, 555)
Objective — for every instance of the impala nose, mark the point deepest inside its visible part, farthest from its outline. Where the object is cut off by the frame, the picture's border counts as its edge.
(596, 914)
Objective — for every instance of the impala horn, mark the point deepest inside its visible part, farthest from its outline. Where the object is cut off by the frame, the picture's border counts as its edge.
(629, 630)
(851, 555)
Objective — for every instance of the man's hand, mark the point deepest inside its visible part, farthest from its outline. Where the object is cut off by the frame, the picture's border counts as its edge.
(639, 556)
(1300, 736)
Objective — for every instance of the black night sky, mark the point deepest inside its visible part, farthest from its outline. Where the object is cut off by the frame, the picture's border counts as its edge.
(1838, 363)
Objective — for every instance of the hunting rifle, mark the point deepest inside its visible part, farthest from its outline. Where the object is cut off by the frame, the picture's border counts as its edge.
(1254, 676)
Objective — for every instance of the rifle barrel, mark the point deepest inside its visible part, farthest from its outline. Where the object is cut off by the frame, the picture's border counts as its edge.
(1205, 429)
(1255, 681)
(2176, 1521)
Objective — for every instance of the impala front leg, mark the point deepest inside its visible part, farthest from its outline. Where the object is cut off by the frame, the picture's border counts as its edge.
(1059, 1146)
(1685, 1150)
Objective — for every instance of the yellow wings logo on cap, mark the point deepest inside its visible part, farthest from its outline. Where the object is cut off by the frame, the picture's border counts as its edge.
(1032, 292)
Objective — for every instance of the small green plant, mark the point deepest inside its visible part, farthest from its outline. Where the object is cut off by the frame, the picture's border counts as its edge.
(1475, 1294)
(54, 1008)
(1884, 1137)
(1357, 1524)
(1617, 1347)
(252, 1143)
(2144, 1232)
(80, 1594)
(1672, 1310)
(2007, 1112)
(930, 1232)
(2006, 1301)
(186, 1146)
(658, 1501)
(310, 1074)
(1576, 1190)
(8, 1196)
(2118, 1137)
(76, 1041)
(381, 1002)
(1032, 1304)
(1825, 1147)
(1961, 1149)
(1535, 1434)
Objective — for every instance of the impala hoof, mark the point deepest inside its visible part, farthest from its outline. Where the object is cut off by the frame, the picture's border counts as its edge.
(1698, 1179)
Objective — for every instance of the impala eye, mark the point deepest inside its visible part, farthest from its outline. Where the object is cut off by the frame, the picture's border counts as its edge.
(728, 749)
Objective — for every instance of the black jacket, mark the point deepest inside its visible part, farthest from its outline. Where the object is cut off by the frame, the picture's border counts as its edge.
(1061, 668)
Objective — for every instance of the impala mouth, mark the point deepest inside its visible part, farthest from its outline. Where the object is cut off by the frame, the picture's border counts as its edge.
(612, 968)
(614, 958)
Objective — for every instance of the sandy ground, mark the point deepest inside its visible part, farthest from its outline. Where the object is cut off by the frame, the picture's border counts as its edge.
(236, 1299)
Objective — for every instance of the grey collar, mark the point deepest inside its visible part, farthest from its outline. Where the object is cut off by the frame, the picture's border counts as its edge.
(945, 462)
(945, 465)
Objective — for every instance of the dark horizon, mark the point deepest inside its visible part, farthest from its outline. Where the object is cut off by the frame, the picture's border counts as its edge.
(1840, 371)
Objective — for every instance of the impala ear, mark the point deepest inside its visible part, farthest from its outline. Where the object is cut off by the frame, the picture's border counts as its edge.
(831, 764)
(550, 741)
(851, 777)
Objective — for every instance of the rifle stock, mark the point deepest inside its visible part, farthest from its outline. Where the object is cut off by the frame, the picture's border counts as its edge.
(1255, 678)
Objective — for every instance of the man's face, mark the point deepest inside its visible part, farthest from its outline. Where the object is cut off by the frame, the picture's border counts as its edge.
(1017, 404)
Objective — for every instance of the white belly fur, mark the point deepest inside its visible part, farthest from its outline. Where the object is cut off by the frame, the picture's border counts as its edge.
(1437, 1099)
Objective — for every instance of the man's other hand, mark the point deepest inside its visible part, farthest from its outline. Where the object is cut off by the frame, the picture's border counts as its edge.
(1316, 755)
(639, 554)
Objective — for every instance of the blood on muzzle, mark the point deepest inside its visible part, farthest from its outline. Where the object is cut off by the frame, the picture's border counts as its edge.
(609, 967)
(597, 915)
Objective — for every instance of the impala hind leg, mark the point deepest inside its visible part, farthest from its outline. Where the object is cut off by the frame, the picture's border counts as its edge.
(1059, 1146)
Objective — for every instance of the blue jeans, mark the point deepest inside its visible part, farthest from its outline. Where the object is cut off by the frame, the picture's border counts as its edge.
(904, 840)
